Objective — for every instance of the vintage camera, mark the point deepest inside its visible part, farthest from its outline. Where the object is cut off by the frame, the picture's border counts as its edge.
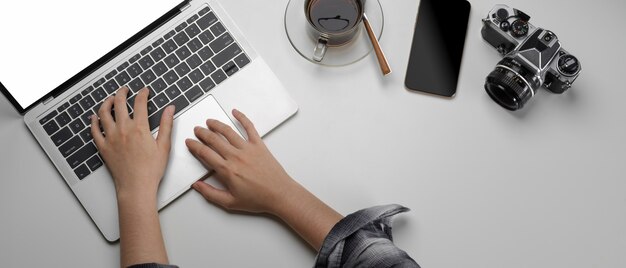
(532, 57)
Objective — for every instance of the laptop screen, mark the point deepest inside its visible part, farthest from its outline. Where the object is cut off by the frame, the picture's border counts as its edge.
(44, 43)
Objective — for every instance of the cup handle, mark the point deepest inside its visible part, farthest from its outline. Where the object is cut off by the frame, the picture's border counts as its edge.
(320, 49)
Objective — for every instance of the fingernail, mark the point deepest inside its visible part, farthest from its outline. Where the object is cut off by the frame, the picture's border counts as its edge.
(196, 129)
(171, 109)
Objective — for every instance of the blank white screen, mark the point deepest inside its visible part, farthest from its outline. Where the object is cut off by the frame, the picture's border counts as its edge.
(43, 43)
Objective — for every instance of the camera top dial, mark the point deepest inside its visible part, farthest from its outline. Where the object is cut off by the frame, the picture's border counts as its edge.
(519, 28)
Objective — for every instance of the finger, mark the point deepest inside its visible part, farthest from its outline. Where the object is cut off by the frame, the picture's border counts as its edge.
(165, 130)
(227, 132)
(121, 111)
(253, 135)
(141, 107)
(215, 141)
(105, 115)
(205, 155)
(95, 131)
(214, 195)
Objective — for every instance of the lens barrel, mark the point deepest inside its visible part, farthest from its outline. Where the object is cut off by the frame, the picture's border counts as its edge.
(508, 85)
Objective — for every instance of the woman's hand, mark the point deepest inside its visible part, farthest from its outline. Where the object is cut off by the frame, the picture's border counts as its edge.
(255, 181)
(135, 159)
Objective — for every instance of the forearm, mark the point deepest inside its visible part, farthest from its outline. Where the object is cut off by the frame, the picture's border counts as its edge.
(307, 215)
(141, 240)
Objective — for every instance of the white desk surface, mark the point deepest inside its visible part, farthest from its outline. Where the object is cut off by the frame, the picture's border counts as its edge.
(543, 187)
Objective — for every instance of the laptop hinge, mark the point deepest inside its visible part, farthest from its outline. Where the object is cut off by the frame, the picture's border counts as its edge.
(185, 7)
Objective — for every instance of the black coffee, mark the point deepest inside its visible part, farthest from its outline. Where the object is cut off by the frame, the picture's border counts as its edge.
(334, 16)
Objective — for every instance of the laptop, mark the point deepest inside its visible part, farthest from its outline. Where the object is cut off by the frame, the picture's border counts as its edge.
(60, 59)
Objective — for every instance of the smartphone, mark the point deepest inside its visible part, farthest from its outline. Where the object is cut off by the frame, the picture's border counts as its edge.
(437, 48)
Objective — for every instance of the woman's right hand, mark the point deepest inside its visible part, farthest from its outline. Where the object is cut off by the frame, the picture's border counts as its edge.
(254, 180)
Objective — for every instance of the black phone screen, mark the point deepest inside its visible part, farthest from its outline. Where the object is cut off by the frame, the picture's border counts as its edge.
(437, 47)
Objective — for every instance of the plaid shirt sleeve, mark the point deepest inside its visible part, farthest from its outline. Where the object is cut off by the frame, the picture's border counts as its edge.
(364, 239)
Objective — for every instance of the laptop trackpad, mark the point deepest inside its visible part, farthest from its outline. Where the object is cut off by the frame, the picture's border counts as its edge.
(183, 168)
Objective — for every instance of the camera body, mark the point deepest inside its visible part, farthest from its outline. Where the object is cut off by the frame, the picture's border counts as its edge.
(533, 57)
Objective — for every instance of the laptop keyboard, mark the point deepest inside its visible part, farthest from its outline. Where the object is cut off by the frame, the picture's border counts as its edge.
(179, 68)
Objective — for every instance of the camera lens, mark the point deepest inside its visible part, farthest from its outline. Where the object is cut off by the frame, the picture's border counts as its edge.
(508, 85)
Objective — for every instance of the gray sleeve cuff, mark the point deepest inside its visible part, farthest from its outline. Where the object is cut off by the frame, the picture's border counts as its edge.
(364, 239)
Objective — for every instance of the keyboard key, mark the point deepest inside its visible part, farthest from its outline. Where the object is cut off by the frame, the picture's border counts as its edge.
(86, 91)
(51, 127)
(183, 53)
(192, 31)
(123, 78)
(110, 74)
(99, 82)
(196, 76)
(206, 21)
(170, 34)
(207, 84)
(86, 117)
(226, 55)
(61, 136)
(146, 62)
(230, 68)
(181, 38)
(218, 29)
(181, 26)
(158, 54)
(180, 103)
(63, 119)
(75, 111)
(82, 155)
(161, 100)
(193, 18)
(111, 86)
(148, 77)
(98, 95)
(96, 109)
(131, 101)
(158, 85)
(158, 42)
(77, 126)
(194, 93)
(63, 107)
(82, 172)
(182, 69)
(242, 60)
(155, 120)
(218, 76)
(195, 45)
(221, 42)
(169, 46)
(171, 61)
(136, 85)
(208, 68)
(86, 135)
(184, 84)
(194, 61)
(146, 50)
(134, 70)
(71, 146)
(206, 37)
(151, 107)
(135, 58)
(172, 92)
(204, 11)
(205, 53)
(160, 68)
(123, 66)
(75, 99)
(170, 77)
(87, 102)
(94, 162)
(48, 117)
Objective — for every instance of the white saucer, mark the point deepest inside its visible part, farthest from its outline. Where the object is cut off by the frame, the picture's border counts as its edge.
(296, 27)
